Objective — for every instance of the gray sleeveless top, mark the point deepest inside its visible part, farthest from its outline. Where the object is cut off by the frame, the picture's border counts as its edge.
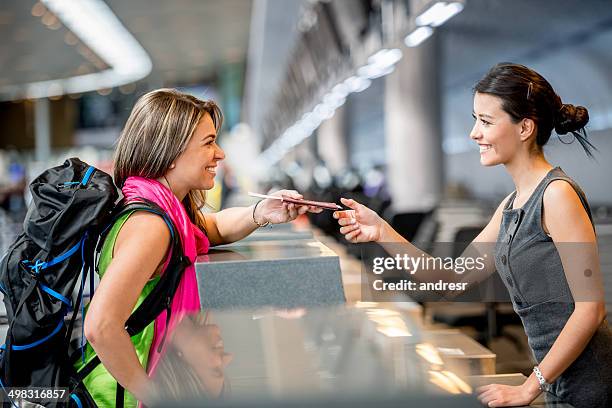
(530, 267)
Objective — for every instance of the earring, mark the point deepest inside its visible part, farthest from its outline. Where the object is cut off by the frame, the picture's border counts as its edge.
(172, 166)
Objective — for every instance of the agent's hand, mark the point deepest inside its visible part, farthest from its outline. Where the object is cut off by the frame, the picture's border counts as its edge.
(360, 224)
(277, 212)
(498, 395)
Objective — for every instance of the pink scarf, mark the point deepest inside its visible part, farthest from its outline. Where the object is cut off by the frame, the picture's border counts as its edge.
(187, 298)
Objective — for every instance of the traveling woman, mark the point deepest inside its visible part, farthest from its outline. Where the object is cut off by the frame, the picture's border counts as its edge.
(167, 153)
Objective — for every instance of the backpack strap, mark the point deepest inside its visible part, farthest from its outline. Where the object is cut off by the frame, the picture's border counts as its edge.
(119, 396)
(159, 299)
(88, 269)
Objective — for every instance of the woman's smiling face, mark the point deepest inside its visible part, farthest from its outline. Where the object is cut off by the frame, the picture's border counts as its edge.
(196, 167)
(498, 137)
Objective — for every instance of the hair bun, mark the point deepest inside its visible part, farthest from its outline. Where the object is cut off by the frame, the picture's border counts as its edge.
(571, 118)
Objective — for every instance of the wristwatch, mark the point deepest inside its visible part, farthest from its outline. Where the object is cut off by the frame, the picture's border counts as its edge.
(544, 386)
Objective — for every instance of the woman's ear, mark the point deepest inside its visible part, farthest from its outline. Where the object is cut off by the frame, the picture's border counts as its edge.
(528, 129)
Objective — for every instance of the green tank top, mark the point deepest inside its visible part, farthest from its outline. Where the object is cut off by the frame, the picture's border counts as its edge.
(100, 383)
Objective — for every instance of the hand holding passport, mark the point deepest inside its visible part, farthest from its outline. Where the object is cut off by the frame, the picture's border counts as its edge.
(287, 199)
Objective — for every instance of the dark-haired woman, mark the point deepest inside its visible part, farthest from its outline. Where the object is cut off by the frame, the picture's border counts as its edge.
(515, 111)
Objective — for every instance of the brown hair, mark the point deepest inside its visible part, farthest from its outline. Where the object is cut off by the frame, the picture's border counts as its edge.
(156, 133)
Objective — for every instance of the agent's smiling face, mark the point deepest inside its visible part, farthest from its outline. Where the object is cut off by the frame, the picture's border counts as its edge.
(196, 167)
(498, 137)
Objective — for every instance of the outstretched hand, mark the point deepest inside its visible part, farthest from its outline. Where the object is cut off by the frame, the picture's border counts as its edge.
(359, 224)
(278, 212)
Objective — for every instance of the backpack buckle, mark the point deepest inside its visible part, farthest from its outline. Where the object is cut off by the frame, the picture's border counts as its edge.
(33, 268)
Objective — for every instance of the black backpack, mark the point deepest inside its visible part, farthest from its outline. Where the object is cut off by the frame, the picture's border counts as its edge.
(74, 205)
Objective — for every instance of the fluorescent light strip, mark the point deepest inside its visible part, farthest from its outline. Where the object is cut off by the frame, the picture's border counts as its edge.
(419, 35)
(94, 23)
(438, 14)
(379, 64)
(431, 14)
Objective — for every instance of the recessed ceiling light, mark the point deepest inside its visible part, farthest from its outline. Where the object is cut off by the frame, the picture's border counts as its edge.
(99, 29)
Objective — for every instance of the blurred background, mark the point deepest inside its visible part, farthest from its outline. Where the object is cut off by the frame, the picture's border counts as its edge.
(369, 99)
(364, 98)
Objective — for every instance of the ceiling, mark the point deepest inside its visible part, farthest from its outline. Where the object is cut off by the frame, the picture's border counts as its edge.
(190, 41)
(187, 40)
(31, 51)
(490, 31)
(566, 40)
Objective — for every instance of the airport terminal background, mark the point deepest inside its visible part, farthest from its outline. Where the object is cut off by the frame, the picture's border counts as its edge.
(335, 99)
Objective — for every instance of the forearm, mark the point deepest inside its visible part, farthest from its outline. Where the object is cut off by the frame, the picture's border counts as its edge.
(117, 354)
(394, 244)
(233, 224)
(571, 342)
(388, 235)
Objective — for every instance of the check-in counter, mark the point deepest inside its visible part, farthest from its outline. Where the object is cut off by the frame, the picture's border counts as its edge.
(275, 271)
(329, 353)
(326, 356)
(278, 303)
(277, 232)
(321, 357)
(460, 352)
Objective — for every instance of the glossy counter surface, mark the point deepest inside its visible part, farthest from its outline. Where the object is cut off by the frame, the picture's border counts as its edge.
(327, 354)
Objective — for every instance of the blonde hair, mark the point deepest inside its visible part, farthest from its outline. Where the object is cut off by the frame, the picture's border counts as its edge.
(156, 133)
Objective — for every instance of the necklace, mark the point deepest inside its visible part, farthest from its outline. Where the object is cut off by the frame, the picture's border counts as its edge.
(168, 183)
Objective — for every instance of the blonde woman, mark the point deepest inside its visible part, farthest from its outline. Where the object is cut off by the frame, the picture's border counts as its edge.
(167, 153)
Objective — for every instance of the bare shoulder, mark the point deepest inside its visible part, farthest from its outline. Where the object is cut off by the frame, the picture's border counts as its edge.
(139, 249)
(144, 231)
(560, 197)
(564, 217)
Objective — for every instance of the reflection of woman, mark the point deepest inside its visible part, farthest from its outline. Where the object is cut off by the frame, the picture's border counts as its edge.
(194, 365)
(515, 110)
(167, 153)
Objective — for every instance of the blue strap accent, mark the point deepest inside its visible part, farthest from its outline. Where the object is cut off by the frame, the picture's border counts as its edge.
(71, 183)
(57, 295)
(38, 265)
(41, 341)
(88, 174)
(2, 288)
(77, 400)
